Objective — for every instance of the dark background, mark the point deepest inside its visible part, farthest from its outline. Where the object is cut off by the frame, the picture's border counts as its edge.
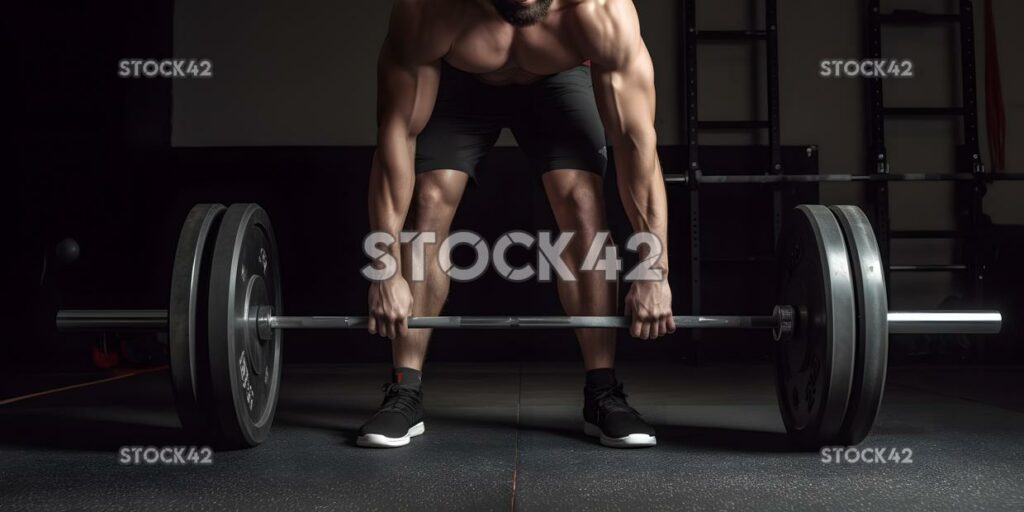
(90, 157)
(287, 122)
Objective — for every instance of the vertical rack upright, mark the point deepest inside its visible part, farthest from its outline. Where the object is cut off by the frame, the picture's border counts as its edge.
(693, 125)
(969, 194)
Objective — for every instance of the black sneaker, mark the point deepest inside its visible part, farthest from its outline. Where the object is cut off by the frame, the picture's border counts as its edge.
(399, 418)
(607, 415)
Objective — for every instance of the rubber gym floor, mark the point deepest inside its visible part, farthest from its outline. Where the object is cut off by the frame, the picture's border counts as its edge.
(508, 437)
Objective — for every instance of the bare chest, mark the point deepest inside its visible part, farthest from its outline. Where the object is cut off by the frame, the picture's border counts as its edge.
(501, 54)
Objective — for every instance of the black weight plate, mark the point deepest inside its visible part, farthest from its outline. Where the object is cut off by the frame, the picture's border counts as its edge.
(814, 369)
(187, 315)
(245, 373)
(872, 324)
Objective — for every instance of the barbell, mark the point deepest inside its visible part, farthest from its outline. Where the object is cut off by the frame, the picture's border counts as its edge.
(900, 322)
(225, 323)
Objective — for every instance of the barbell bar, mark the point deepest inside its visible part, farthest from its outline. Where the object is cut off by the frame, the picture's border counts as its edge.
(900, 322)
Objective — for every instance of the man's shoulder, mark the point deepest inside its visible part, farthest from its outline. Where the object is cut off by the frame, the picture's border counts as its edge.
(599, 11)
(607, 28)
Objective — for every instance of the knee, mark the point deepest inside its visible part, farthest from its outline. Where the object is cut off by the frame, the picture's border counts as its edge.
(432, 205)
(583, 208)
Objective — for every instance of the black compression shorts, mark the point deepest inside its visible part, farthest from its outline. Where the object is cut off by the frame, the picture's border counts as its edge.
(554, 120)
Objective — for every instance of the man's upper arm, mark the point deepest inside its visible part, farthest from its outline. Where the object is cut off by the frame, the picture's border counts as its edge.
(622, 69)
(408, 68)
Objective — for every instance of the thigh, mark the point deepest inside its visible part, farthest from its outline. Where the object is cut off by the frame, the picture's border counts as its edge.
(435, 199)
(463, 127)
(562, 129)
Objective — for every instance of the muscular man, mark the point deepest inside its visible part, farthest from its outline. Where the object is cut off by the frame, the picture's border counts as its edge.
(565, 76)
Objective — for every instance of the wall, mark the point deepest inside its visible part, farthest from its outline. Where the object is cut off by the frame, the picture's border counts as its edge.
(302, 73)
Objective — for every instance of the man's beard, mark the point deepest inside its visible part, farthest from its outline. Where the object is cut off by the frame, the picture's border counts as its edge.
(522, 15)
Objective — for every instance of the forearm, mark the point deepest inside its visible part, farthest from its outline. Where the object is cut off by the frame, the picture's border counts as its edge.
(642, 190)
(391, 186)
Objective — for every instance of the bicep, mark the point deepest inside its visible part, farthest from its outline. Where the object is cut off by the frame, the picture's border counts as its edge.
(408, 69)
(406, 91)
(626, 97)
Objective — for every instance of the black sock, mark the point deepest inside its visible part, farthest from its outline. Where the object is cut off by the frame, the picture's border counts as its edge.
(407, 377)
(601, 378)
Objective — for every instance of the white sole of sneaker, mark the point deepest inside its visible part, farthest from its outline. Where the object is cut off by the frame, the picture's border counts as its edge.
(630, 441)
(382, 441)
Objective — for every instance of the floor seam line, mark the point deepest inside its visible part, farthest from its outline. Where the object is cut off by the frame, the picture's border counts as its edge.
(515, 445)
(70, 387)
